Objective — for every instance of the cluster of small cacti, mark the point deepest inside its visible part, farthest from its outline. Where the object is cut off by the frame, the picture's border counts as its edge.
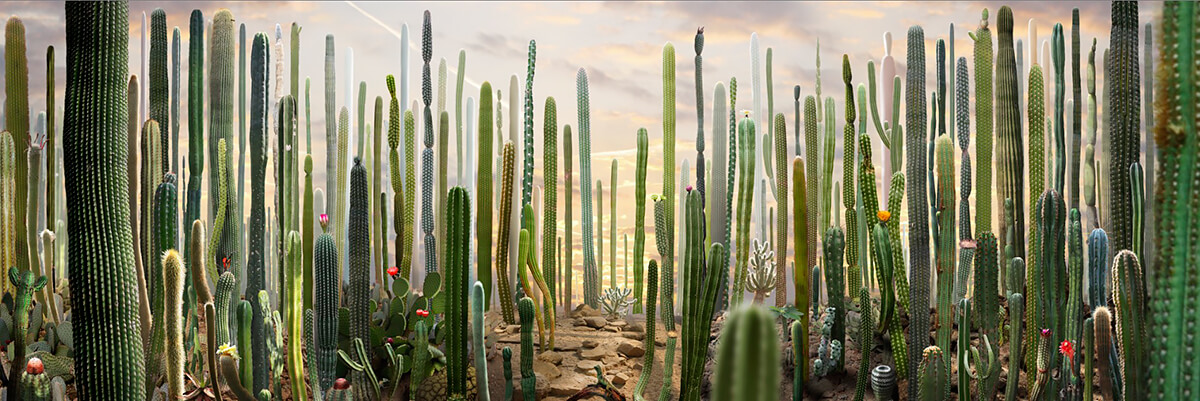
(322, 304)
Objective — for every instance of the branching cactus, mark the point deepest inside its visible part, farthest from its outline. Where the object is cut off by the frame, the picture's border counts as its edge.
(747, 357)
(888, 318)
(506, 297)
(918, 239)
(94, 140)
(699, 298)
(829, 351)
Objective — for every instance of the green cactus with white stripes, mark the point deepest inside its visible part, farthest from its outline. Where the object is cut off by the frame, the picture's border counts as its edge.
(95, 115)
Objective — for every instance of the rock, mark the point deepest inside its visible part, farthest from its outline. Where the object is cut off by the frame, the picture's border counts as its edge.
(590, 344)
(620, 379)
(619, 323)
(636, 327)
(546, 369)
(563, 343)
(584, 311)
(633, 335)
(569, 384)
(551, 357)
(612, 360)
(587, 366)
(631, 349)
(600, 351)
(596, 322)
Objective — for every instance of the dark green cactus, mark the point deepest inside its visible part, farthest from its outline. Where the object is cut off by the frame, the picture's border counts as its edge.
(325, 305)
(933, 376)
(158, 82)
(1037, 180)
(255, 265)
(1016, 303)
(427, 154)
(508, 374)
(1051, 273)
(527, 179)
(699, 297)
(358, 291)
(458, 239)
(16, 110)
(848, 184)
(918, 239)
(1008, 119)
(649, 345)
(550, 191)
(196, 127)
(834, 243)
(667, 288)
(226, 285)
(246, 370)
(1058, 55)
(94, 140)
(221, 115)
(698, 44)
(506, 297)
(1073, 307)
(1173, 311)
(1124, 136)
(478, 342)
(528, 380)
(747, 357)
(866, 340)
(1130, 304)
(985, 285)
(983, 123)
(568, 264)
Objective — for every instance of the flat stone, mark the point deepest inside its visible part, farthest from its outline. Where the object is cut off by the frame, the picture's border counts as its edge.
(619, 323)
(620, 379)
(584, 310)
(596, 322)
(587, 366)
(631, 349)
(546, 369)
(551, 357)
(612, 329)
(569, 384)
(636, 326)
(600, 351)
(590, 344)
(612, 360)
(633, 335)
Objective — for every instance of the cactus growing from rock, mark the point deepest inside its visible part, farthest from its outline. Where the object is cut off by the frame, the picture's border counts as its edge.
(747, 357)
(93, 139)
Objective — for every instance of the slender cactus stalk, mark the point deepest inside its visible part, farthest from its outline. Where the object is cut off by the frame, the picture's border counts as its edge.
(918, 239)
(591, 290)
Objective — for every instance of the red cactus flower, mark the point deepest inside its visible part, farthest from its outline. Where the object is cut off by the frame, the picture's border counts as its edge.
(391, 340)
(689, 188)
(1045, 332)
(225, 263)
(341, 384)
(324, 219)
(393, 271)
(1068, 350)
(422, 313)
(35, 366)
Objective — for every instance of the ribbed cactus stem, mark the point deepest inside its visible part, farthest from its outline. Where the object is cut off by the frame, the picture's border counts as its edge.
(669, 192)
(1130, 303)
(747, 357)
(325, 306)
(639, 231)
(918, 214)
(478, 342)
(944, 238)
(1016, 301)
(173, 278)
(834, 243)
(866, 342)
(781, 219)
(568, 262)
(651, 301)
(591, 274)
(550, 189)
(94, 140)
(746, 137)
(801, 240)
(458, 232)
(528, 379)
(16, 110)
(506, 297)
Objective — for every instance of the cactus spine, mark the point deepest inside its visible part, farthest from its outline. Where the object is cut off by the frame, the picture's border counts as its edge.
(104, 269)
(747, 357)
(591, 274)
(1073, 280)
(506, 297)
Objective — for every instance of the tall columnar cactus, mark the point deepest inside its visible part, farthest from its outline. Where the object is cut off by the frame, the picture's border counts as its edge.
(457, 270)
(1130, 301)
(747, 357)
(1108, 360)
(1175, 133)
(699, 297)
(1051, 273)
(983, 124)
(483, 195)
(918, 239)
(591, 276)
(730, 182)
(698, 44)
(745, 204)
(506, 297)
(224, 299)
(866, 342)
(668, 78)
(94, 140)
(1016, 302)
(848, 183)
(568, 263)
(1037, 174)
(667, 288)
(478, 342)
(1123, 137)
(527, 180)
(16, 110)
(550, 189)
(1011, 158)
(933, 378)
(649, 345)
(325, 305)
(528, 379)
(358, 291)
(800, 267)
(331, 134)
(255, 265)
(427, 154)
(639, 223)
(158, 82)
(944, 238)
(1058, 55)
(781, 202)
(834, 243)
(195, 156)
(173, 277)
(220, 122)
(1072, 278)
(245, 353)
(612, 227)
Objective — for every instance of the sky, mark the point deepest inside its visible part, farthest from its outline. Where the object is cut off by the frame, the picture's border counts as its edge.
(619, 44)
